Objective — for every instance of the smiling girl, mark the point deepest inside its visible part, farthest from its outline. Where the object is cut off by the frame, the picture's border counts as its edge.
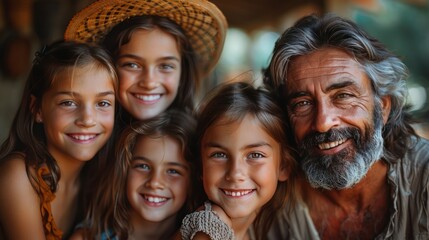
(162, 49)
(152, 186)
(245, 163)
(65, 118)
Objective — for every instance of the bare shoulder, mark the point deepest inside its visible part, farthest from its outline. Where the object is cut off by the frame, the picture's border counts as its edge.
(19, 202)
(13, 172)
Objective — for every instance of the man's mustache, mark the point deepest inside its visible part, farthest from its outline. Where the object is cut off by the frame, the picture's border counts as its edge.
(313, 139)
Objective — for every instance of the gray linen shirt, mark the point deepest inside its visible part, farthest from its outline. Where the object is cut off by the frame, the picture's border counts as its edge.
(409, 180)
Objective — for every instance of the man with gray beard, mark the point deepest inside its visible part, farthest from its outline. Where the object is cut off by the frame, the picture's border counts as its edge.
(348, 166)
(364, 172)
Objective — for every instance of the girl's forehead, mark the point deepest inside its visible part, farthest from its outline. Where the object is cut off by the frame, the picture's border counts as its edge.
(231, 121)
(151, 41)
(231, 117)
(90, 78)
(159, 149)
(155, 139)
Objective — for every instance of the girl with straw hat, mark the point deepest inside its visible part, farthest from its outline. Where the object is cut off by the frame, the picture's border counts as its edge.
(162, 50)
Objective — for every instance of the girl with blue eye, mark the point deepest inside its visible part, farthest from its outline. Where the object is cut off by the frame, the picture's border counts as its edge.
(152, 186)
(244, 164)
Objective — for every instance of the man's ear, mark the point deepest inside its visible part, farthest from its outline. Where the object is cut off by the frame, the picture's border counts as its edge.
(35, 110)
(386, 103)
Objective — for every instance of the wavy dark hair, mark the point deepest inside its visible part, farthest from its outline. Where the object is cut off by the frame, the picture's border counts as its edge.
(386, 71)
(233, 101)
(190, 76)
(111, 211)
(26, 135)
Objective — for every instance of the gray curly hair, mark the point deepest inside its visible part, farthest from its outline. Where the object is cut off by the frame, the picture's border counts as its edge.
(386, 71)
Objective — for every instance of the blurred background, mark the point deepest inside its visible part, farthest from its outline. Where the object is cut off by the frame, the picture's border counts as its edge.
(254, 25)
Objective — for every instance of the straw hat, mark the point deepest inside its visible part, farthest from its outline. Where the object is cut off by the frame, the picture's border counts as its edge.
(201, 20)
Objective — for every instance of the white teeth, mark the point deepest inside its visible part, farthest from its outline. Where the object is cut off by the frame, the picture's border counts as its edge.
(148, 97)
(155, 199)
(329, 145)
(83, 137)
(237, 193)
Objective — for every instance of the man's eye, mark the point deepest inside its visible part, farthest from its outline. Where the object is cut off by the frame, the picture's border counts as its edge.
(302, 103)
(300, 107)
(344, 95)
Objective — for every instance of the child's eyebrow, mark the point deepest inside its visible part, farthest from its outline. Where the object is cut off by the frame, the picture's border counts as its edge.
(174, 58)
(258, 144)
(253, 145)
(212, 144)
(128, 55)
(135, 158)
(101, 94)
(71, 93)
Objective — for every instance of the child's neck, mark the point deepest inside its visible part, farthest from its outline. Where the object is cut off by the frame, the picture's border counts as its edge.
(241, 227)
(70, 171)
(142, 229)
(64, 206)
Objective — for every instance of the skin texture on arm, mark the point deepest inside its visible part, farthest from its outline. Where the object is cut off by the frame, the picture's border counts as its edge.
(19, 204)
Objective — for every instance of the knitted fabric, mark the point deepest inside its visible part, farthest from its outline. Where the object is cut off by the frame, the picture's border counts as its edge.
(206, 221)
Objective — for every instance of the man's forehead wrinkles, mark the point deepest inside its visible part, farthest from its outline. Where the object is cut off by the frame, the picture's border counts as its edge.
(326, 62)
(322, 58)
(327, 71)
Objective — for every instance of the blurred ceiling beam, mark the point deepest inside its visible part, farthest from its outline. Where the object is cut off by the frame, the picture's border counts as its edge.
(252, 14)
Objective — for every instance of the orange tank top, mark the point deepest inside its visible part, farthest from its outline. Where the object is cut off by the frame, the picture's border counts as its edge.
(52, 232)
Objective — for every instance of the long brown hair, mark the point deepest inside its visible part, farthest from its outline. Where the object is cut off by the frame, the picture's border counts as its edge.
(190, 75)
(26, 135)
(111, 211)
(234, 101)
(385, 70)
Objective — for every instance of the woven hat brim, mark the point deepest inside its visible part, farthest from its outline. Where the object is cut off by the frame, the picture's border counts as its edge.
(201, 21)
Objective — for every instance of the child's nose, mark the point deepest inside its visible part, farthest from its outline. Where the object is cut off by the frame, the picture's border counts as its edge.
(148, 79)
(86, 117)
(236, 171)
(155, 181)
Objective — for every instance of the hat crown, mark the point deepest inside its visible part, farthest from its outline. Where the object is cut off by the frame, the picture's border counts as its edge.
(203, 23)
